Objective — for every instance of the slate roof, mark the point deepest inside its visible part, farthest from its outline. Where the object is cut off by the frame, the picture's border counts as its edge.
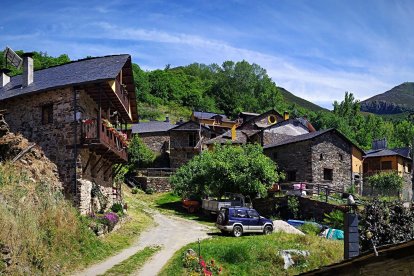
(76, 72)
(404, 152)
(241, 137)
(154, 126)
(308, 136)
(299, 138)
(207, 115)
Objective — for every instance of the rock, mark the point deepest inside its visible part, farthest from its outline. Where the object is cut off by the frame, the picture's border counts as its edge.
(280, 225)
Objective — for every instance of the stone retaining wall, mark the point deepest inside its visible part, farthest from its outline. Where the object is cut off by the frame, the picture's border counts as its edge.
(157, 184)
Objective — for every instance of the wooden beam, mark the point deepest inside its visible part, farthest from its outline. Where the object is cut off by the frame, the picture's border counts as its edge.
(87, 164)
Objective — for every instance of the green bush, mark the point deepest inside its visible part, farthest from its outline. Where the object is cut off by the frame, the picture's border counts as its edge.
(149, 191)
(117, 208)
(293, 206)
(135, 191)
(335, 219)
(386, 181)
(310, 229)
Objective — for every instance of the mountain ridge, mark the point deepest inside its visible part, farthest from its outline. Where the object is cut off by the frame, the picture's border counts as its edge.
(399, 99)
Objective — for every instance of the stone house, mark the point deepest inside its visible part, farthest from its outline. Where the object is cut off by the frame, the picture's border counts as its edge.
(77, 113)
(156, 136)
(381, 159)
(219, 123)
(324, 157)
(187, 140)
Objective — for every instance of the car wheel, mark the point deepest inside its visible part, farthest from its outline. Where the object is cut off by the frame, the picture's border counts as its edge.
(220, 218)
(268, 230)
(237, 231)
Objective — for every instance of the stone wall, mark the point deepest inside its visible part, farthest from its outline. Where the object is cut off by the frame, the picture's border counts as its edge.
(308, 209)
(158, 142)
(293, 158)
(158, 184)
(329, 151)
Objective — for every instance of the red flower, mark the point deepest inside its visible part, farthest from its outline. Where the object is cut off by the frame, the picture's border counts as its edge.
(203, 263)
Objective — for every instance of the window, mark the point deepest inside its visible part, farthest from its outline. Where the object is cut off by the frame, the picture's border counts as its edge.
(327, 174)
(341, 157)
(409, 168)
(321, 156)
(386, 165)
(192, 140)
(291, 175)
(47, 114)
(241, 213)
(253, 214)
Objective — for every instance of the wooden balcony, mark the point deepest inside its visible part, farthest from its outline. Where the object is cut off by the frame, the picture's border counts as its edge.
(104, 140)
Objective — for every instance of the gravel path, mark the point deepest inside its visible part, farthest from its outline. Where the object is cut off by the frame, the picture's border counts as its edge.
(171, 233)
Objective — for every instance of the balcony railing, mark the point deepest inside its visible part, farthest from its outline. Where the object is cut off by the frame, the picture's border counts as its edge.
(104, 135)
(122, 94)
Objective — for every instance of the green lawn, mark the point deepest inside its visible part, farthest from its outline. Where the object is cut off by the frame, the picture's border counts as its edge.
(170, 204)
(259, 254)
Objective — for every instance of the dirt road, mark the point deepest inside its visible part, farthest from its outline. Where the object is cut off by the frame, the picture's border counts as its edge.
(171, 233)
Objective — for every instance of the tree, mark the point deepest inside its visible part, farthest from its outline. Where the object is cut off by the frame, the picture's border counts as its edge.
(140, 156)
(238, 169)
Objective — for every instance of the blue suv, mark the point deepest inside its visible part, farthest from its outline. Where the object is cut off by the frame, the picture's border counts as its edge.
(239, 220)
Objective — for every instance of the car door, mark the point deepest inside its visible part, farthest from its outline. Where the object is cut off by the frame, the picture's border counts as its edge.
(242, 217)
(255, 223)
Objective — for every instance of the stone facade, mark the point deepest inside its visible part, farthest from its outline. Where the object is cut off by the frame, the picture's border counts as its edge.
(159, 143)
(24, 115)
(186, 141)
(325, 159)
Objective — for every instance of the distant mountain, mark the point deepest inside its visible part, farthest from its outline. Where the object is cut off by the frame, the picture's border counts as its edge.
(400, 99)
(290, 98)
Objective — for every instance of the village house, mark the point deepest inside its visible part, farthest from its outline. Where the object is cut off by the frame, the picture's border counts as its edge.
(219, 123)
(187, 140)
(156, 136)
(77, 113)
(381, 159)
(323, 157)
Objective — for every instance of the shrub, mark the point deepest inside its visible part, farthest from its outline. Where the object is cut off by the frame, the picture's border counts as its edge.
(149, 191)
(310, 229)
(198, 266)
(385, 223)
(386, 181)
(335, 219)
(134, 191)
(117, 208)
(293, 206)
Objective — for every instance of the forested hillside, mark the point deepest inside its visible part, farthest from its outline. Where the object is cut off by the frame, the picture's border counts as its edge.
(240, 86)
(399, 99)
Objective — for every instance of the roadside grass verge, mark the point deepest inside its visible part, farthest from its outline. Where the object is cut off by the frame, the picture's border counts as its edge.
(259, 254)
(170, 204)
(45, 233)
(133, 263)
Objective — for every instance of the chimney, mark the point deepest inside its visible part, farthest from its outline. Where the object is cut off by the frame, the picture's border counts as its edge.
(167, 119)
(286, 115)
(4, 78)
(27, 69)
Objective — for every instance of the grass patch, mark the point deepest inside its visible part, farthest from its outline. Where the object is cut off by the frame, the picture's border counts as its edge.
(46, 234)
(133, 263)
(170, 204)
(259, 254)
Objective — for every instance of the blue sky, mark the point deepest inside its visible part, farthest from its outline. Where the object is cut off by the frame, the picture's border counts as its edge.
(315, 49)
